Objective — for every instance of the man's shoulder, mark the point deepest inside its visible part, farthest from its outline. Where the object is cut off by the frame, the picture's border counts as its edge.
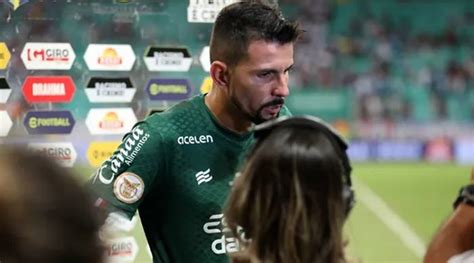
(186, 115)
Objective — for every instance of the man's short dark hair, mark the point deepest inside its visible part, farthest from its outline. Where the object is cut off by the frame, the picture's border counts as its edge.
(240, 23)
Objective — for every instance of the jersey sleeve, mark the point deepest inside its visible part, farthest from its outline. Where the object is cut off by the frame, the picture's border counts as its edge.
(123, 180)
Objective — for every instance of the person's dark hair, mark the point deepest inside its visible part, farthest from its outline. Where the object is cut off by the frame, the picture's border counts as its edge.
(239, 23)
(288, 199)
(46, 215)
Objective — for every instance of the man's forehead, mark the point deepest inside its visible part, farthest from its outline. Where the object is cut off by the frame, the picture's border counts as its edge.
(264, 54)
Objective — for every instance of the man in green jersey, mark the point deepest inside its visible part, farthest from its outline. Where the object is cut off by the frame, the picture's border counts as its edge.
(175, 167)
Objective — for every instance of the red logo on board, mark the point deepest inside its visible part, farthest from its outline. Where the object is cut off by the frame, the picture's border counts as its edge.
(55, 89)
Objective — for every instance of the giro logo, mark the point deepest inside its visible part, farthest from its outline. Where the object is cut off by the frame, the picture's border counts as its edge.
(203, 176)
(48, 56)
(61, 152)
(201, 139)
(126, 153)
(123, 249)
(58, 89)
(216, 226)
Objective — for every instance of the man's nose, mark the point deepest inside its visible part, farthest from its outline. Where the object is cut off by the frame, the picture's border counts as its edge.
(281, 87)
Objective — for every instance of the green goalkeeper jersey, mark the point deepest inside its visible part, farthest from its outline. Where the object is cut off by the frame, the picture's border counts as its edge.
(176, 168)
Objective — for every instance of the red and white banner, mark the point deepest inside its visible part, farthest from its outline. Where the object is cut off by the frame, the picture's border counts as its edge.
(59, 56)
(55, 89)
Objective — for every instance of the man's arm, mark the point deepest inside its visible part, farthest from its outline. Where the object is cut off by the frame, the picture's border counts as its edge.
(455, 236)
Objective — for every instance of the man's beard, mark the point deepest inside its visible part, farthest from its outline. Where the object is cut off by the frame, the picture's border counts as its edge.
(257, 118)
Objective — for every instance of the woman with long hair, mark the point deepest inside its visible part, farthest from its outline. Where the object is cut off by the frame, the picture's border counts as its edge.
(291, 199)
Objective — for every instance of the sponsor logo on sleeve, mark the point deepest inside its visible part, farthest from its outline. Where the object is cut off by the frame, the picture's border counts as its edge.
(109, 57)
(167, 59)
(206, 11)
(110, 90)
(205, 59)
(62, 152)
(49, 122)
(5, 123)
(4, 55)
(57, 89)
(168, 89)
(110, 120)
(223, 243)
(125, 154)
(99, 152)
(129, 187)
(123, 249)
(50, 56)
(5, 90)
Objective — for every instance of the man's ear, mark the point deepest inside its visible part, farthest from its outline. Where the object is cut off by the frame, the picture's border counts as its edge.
(219, 74)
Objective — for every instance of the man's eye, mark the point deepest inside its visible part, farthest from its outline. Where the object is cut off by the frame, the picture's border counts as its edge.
(264, 74)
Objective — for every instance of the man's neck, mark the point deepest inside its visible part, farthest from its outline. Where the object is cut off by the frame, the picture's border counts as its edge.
(226, 113)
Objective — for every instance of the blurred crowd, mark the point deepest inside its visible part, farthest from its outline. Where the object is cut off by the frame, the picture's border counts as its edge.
(398, 69)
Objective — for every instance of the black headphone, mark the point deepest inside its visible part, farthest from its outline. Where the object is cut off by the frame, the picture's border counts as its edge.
(262, 131)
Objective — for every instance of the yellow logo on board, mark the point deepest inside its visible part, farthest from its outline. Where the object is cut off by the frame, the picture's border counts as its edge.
(206, 85)
(98, 152)
(4, 55)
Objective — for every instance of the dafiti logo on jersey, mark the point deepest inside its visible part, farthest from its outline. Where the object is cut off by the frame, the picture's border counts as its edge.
(49, 122)
(5, 90)
(110, 120)
(57, 89)
(168, 89)
(4, 55)
(110, 90)
(48, 56)
(123, 249)
(109, 57)
(62, 152)
(168, 59)
(6, 123)
(223, 242)
(125, 154)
